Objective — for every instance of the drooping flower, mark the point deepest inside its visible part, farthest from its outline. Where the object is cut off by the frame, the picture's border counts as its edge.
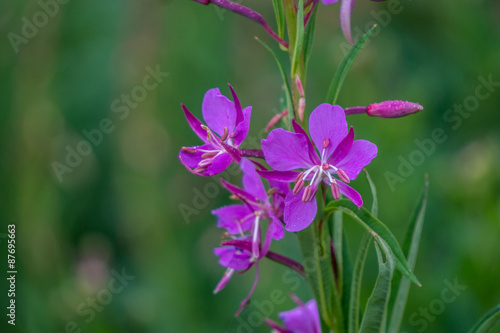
(302, 319)
(338, 160)
(243, 223)
(227, 127)
(256, 207)
(346, 7)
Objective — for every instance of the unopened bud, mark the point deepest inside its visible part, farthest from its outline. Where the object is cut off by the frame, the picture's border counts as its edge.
(301, 108)
(393, 109)
(275, 119)
(300, 88)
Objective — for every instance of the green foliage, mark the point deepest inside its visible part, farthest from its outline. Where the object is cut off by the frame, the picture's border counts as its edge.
(487, 322)
(345, 65)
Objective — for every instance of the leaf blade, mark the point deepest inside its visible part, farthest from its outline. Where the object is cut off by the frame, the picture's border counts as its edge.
(345, 65)
(371, 223)
(410, 250)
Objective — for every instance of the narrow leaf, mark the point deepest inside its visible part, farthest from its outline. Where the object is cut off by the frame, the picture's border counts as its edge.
(488, 322)
(357, 277)
(346, 281)
(374, 319)
(280, 18)
(410, 250)
(299, 36)
(374, 209)
(371, 223)
(309, 37)
(345, 65)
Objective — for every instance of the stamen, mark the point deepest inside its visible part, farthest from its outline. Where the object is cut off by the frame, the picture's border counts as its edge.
(324, 166)
(233, 197)
(335, 190)
(272, 190)
(308, 193)
(299, 176)
(326, 143)
(343, 176)
(209, 154)
(199, 169)
(255, 239)
(298, 186)
(206, 163)
(188, 150)
(224, 135)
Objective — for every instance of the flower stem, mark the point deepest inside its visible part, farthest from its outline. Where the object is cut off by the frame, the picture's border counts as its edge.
(257, 153)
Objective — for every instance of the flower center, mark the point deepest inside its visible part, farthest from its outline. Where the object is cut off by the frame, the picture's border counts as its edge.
(323, 171)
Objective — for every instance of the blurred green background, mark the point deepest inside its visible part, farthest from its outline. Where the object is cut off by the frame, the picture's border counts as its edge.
(117, 209)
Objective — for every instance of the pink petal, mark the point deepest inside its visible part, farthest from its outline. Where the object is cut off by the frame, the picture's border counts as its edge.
(251, 180)
(286, 151)
(351, 194)
(327, 122)
(343, 148)
(241, 130)
(282, 176)
(298, 215)
(218, 111)
(220, 163)
(312, 152)
(345, 18)
(195, 124)
(359, 156)
(234, 218)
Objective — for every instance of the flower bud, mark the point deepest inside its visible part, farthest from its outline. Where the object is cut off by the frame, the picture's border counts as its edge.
(392, 109)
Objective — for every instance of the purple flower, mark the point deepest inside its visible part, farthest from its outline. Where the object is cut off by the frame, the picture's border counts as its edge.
(346, 7)
(227, 128)
(338, 160)
(238, 219)
(242, 222)
(302, 319)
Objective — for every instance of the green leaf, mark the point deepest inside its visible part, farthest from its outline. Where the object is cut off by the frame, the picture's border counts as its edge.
(318, 267)
(299, 37)
(488, 322)
(357, 277)
(412, 242)
(338, 78)
(346, 281)
(374, 209)
(283, 73)
(280, 18)
(309, 37)
(371, 223)
(375, 317)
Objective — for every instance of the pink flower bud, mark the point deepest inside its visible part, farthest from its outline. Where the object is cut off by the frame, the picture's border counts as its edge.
(392, 109)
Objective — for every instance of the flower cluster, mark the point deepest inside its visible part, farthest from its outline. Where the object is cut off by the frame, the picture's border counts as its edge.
(294, 172)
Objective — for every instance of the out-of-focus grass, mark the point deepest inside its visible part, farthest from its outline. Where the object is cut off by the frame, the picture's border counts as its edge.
(119, 207)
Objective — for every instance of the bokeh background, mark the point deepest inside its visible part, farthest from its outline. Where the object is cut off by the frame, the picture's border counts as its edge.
(118, 208)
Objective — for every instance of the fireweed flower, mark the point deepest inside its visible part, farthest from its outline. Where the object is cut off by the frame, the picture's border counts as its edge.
(303, 319)
(256, 207)
(346, 7)
(338, 160)
(227, 127)
(242, 223)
